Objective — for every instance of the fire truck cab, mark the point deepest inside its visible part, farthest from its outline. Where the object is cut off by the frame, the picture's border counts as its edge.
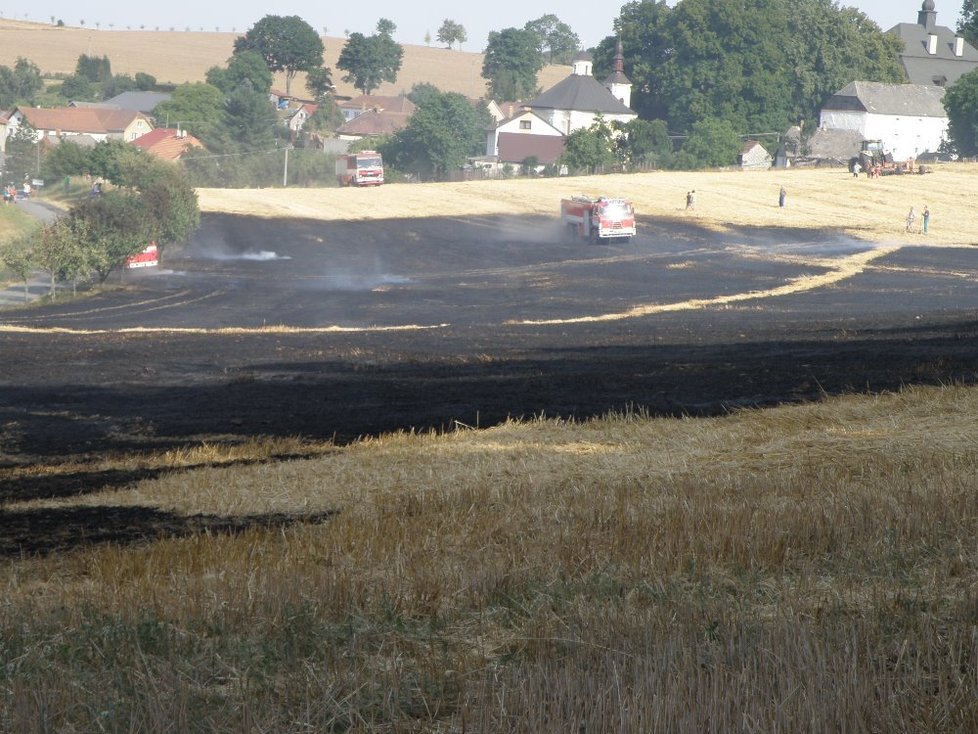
(365, 168)
(598, 219)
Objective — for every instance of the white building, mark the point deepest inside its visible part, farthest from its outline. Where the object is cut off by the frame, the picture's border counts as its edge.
(522, 136)
(909, 119)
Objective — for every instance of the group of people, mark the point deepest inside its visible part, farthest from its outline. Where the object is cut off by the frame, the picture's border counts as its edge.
(9, 194)
(924, 219)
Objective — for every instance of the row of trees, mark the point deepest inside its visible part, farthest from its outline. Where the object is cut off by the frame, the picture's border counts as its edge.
(150, 201)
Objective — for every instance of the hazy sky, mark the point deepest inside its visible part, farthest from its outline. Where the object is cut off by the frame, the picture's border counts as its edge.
(591, 21)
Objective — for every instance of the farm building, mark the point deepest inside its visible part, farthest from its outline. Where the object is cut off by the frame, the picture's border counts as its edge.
(910, 119)
(754, 157)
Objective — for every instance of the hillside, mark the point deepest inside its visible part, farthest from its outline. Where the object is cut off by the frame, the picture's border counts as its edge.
(184, 56)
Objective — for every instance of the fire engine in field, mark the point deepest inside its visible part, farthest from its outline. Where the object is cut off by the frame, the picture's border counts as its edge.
(148, 257)
(365, 168)
(598, 219)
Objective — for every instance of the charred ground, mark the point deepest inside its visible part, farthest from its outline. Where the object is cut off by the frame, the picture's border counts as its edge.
(99, 390)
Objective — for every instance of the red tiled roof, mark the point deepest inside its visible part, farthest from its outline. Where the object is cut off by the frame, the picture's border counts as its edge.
(80, 119)
(399, 104)
(517, 147)
(374, 123)
(164, 143)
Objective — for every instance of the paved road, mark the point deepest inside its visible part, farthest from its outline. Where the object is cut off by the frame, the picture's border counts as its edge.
(13, 294)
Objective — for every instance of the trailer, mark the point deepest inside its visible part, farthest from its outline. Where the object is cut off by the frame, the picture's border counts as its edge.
(598, 219)
(365, 168)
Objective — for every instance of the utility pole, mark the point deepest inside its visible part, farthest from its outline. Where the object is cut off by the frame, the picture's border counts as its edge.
(285, 173)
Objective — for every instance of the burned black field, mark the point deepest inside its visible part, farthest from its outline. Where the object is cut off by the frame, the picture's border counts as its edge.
(336, 331)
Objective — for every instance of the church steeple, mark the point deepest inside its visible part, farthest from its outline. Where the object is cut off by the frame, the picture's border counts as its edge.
(617, 83)
(927, 17)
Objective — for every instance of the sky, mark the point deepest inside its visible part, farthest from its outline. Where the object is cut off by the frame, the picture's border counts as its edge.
(590, 21)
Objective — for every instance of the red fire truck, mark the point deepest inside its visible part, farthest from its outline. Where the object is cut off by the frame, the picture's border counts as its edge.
(365, 168)
(146, 258)
(598, 219)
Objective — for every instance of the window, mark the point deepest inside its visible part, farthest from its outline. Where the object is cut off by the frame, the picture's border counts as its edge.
(525, 124)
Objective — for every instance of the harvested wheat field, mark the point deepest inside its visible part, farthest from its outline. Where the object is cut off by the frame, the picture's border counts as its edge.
(412, 459)
(179, 55)
(818, 199)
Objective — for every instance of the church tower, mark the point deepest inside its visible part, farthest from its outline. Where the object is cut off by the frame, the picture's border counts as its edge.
(617, 83)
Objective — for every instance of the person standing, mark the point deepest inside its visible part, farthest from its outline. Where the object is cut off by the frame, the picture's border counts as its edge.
(691, 199)
(911, 218)
(781, 197)
(925, 217)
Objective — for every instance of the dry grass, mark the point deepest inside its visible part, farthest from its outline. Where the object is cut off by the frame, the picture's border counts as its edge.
(804, 568)
(181, 56)
(818, 199)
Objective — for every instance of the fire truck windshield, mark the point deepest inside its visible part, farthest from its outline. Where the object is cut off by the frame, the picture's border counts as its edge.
(615, 209)
(369, 162)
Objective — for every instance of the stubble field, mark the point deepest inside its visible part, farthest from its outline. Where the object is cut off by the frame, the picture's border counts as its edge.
(803, 567)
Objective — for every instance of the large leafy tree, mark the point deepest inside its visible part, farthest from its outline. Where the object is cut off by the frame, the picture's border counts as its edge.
(968, 23)
(19, 84)
(443, 132)
(762, 64)
(198, 108)
(645, 142)
(557, 41)
(287, 43)
(590, 148)
(250, 119)
(511, 64)
(22, 153)
(370, 60)
(961, 103)
(451, 33)
(712, 143)
(248, 65)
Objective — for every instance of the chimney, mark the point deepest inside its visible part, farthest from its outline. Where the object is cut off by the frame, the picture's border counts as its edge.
(932, 43)
(958, 46)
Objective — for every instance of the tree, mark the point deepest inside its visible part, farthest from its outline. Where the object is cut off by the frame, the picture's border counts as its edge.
(961, 103)
(145, 82)
(56, 249)
(386, 27)
(250, 119)
(763, 64)
(557, 42)
(22, 153)
(19, 259)
(196, 107)
(645, 142)
(94, 68)
(117, 85)
(423, 93)
(370, 61)
(112, 228)
(243, 66)
(287, 44)
(451, 33)
(587, 149)
(511, 64)
(712, 143)
(76, 87)
(19, 84)
(968, 23)
(319, 81)
(440, 136)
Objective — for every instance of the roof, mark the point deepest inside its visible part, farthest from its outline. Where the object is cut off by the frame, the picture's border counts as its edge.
(400, 103)
(917, 100)
(80, 119)
(750, 145)
(138, 101)
(580, 92)
(923, 67)
(516, 147)
(167, 143)
(374, 123)
(837, 145)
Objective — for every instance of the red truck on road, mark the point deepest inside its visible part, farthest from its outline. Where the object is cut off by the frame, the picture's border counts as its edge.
(598, 218)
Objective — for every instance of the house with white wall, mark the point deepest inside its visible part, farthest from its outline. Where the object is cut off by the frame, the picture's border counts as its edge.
(526, 135)
(577, 101)
(60, 123)
(910, 119)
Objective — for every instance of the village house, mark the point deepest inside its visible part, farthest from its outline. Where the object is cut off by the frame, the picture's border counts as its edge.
(754, 157)
(526, 135)
(371, 116)
(168, 144)
(933, 54)
(55, 124)
(538, 128)
(909, 119)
